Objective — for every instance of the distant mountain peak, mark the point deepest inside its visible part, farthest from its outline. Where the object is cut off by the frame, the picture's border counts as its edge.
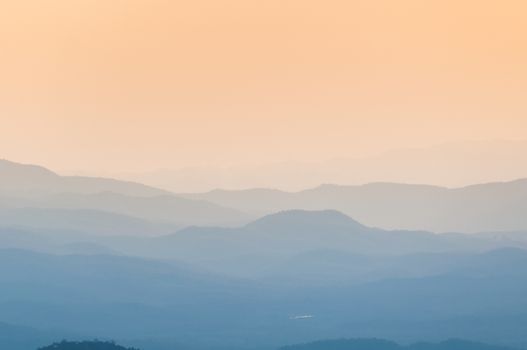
(305, 218)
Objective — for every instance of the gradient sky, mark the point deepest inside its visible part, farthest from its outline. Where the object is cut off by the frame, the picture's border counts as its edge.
(107, 85)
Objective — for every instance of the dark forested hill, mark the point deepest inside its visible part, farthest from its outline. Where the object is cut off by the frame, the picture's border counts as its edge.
(85, 345)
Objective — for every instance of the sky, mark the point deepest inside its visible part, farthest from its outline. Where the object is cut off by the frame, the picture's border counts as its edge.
(130, 86)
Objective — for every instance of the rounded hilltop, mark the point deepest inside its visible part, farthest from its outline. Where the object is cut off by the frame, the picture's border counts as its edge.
(85, 345)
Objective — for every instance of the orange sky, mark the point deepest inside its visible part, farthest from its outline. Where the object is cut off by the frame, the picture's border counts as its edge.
(107, 85)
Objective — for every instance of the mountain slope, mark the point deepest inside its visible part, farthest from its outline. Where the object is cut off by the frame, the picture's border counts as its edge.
(29, 186)
(31, 179)
(165, 208)
(88, 221)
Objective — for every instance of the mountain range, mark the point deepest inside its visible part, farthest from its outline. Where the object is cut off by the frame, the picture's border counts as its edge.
(28, 189)
(133, 298)
(485, 207)
(454, 164)
(275, 244)
(258, 269)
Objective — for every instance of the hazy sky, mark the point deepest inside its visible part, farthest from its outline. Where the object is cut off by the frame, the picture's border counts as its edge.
(109, 85)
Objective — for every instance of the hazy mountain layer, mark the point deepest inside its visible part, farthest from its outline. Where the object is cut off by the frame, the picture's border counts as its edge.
(299, 276)
(294, 232)
(453, 164)
(486, 207)
(29, 188)
(482, 296)
(33, 179)
(90, 221)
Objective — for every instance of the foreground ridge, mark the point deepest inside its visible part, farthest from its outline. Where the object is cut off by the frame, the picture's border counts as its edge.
(381, 344)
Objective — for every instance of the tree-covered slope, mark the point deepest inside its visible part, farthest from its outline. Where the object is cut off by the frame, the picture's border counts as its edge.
(85, 345)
